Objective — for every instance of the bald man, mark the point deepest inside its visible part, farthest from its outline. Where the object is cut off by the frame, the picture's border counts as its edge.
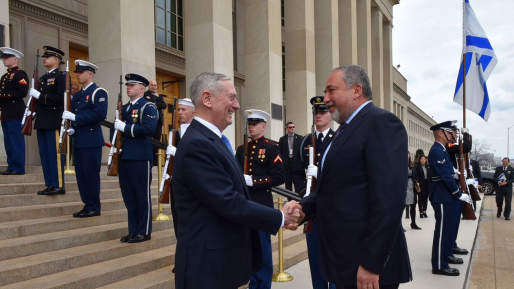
(152, 96)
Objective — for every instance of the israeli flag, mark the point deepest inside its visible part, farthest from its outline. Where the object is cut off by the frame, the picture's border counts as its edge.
(480, 62)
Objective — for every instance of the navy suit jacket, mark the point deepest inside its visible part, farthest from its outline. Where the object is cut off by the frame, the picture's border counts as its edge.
(217, 242)
(360, 198)
(89, 113)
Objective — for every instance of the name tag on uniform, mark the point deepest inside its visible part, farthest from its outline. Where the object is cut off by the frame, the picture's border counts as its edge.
(101, 99)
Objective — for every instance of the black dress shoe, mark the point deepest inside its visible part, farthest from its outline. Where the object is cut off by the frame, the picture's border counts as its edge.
(507, 218)
(455, 260)
(499, 214)
(139, 238)
(10, 173)
(77, 214)
(421, 215)
(425, 214)
(43, 192)
(460, 251)
(446, 272)
(55, 191)
(87, 214)
(415, 227)
(126, 238)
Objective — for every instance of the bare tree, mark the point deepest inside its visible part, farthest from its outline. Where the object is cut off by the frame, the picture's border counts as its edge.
(481, 151)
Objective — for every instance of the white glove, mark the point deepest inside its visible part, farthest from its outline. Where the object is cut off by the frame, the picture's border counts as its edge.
(171, 150)
(119, 125)
(71, 131)
(465, 174)
(465, 130)
(249, 181)
(465, 198)
(68, 115)
(470, 182)
(34, 93)
(312, 171)
(27, 113)
(114, 150)
(456, 174)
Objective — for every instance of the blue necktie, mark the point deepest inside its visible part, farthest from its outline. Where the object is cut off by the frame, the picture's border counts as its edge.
(227, 143)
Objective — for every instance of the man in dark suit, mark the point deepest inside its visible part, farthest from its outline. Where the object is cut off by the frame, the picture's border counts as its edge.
(361, 188)
(289, 145)
(88, 109)
(324, 135)
(217, 245)
(504, 188)
(152, 96)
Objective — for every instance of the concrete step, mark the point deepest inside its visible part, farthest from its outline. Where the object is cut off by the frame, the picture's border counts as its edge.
(25, 228)
(104, 273)
(39, 178)
(33, 188)
(165, 279)
(57, 209)
(39, 169)
(34, 266)
(30, 245)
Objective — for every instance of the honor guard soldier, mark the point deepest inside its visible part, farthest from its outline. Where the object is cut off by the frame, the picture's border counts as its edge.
(49, 109)
(135, 163)
(88, 109)
(152, 96)
(444, 192)
(266, 170)
(14, 87)
(324, 135)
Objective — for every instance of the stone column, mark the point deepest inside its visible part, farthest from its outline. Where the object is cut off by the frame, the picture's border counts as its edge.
(327, 41)
(4, 20)
(121, 41)
(388, 65)
(364, 35)
(377, 57)
(300, 62)
(347, 11)
(209, 42)
(263, 60)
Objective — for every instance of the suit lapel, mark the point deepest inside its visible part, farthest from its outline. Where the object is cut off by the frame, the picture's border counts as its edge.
(342, 138)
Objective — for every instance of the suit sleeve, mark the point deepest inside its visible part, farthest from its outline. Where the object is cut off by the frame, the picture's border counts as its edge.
(56, 98)
(276, 175)
(99, 112)
(496, 175)
(160, 103)
(386, 159)
(298, 174)
(511, 179)
(240, 156)
(148, 125)
(215, 190)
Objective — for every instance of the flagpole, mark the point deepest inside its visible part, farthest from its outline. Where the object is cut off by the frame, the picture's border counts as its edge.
(464, 90)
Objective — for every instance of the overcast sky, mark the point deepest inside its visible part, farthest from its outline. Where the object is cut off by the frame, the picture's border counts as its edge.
(427, 43)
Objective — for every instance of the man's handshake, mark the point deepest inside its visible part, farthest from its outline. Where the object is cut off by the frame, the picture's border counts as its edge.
(293, 215)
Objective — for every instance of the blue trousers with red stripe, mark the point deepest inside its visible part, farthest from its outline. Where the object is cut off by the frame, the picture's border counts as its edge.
(14, 143)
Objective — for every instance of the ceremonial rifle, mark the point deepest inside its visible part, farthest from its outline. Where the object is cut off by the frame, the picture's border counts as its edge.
(30, 110)
(311, 182)
(155, 142)
(246, 165)
(117, 138)
(164, 188)
(65, 124)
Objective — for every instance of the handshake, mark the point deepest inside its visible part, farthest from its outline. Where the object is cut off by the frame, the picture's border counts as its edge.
(293, 215)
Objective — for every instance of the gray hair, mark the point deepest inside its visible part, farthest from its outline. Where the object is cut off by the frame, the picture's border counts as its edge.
(354, 74)
(211, 81)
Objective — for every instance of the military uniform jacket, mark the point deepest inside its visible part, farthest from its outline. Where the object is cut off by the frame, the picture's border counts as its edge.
(14, 87)
(141, 120)
(301, 159)
(89, 112)
(50, 104)
(444, 189)
(265, 167)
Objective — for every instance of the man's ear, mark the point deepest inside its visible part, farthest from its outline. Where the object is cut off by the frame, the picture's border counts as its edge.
(207, 98)
(357, 90)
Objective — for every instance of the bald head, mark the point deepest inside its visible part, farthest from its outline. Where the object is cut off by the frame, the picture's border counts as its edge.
(152, 86)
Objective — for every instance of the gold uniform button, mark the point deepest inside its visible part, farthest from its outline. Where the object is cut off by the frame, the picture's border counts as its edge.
(260, 180)
(250, 170)
(251, 163)
(251, 158)
(253, 147)
(319, 155)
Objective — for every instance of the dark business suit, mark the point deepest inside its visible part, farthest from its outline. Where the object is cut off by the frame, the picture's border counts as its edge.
(504, 191)
(424, 185)
(217, 242)
(359, 201)
(283, 144)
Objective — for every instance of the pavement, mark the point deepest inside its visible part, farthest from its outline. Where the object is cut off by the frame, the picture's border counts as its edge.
(487, 270)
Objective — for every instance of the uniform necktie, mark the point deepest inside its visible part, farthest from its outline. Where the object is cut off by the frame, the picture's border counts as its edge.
(227, 143)
(320, 140)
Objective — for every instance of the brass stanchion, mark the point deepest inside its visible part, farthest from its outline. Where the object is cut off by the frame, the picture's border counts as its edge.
(67, 170)
(281, 276)
(160, 216)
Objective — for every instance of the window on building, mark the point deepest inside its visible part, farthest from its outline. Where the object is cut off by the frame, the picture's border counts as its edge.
(282, 11)
(2, 36)
(283, 67)
(169, 23)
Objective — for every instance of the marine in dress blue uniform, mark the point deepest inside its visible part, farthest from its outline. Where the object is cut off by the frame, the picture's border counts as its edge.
(135, 164)
(49, 109)
(266, 170)
(14, 86)
(324, 135)
(88, 109)
(443, 194)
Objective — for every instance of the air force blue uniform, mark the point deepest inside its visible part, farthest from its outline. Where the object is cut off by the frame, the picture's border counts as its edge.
(90, 108)
(135, 164)
(443, 194)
